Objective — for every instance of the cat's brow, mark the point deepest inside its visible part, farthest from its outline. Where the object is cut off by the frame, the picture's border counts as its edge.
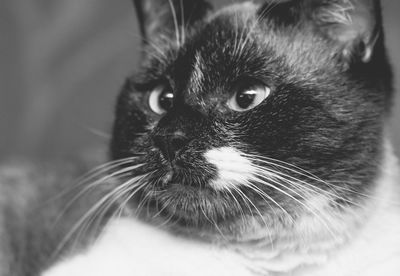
(197, 74)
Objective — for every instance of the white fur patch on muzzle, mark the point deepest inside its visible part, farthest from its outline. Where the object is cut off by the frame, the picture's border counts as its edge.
(233, 168)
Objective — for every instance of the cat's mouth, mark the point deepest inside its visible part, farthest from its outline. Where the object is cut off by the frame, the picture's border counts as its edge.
(192, 206)
(182, 197)
(203, 213)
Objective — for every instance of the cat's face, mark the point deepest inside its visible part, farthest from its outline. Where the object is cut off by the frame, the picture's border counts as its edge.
(257, 115)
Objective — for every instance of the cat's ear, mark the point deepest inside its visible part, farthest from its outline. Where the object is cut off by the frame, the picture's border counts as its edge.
(354, 25)
(169, 16)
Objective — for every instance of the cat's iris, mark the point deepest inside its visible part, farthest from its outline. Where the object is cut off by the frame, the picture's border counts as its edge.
(246, 99)
(161, 100)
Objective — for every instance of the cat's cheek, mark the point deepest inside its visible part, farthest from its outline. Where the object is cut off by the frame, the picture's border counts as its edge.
(233, 168)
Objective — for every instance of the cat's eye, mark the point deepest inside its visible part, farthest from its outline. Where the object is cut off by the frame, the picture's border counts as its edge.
(161, 99)
(249, 97)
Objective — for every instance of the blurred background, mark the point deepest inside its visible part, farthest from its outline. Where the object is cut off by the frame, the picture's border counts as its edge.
(62, 63)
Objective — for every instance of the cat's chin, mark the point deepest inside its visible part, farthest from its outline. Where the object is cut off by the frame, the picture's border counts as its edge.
(202, 213)
(191, 206)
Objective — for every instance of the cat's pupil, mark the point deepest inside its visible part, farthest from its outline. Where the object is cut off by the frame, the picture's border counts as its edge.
(166, 100)
(246, 98)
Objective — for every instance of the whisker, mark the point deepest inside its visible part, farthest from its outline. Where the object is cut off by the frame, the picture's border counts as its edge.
(267, 197)
(99, 133)
(93, 209)
(213, 223)
(182, 23)
(169, 219)
(244, 196)
(178, 36)
(130, 196)
(160, 210)
(296, 182)
(142, 202)
(101, 169)
(94, 184)
(241, 211)
(97, 217)
(266, 182)
(129, 191)
(283, 165)
(302, 172)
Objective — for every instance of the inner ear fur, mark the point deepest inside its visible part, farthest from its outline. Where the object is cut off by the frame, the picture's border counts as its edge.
(354, 25)
(168, 17)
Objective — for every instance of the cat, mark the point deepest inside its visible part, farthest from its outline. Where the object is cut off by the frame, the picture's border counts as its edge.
(252, 141)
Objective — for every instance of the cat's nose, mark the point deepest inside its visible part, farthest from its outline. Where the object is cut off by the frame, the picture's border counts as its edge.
(170, 144)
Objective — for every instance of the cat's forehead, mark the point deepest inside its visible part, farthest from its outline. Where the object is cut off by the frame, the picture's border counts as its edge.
(231, 44)
(222, 50)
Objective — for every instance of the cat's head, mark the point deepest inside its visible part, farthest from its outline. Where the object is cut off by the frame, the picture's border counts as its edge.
(257, 115)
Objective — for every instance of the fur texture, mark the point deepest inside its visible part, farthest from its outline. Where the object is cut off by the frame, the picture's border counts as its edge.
(210, 175)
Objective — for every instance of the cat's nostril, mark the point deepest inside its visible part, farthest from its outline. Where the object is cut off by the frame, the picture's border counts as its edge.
(169, 145)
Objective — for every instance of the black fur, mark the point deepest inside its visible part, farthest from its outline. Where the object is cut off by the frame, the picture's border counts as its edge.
(325, 114)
